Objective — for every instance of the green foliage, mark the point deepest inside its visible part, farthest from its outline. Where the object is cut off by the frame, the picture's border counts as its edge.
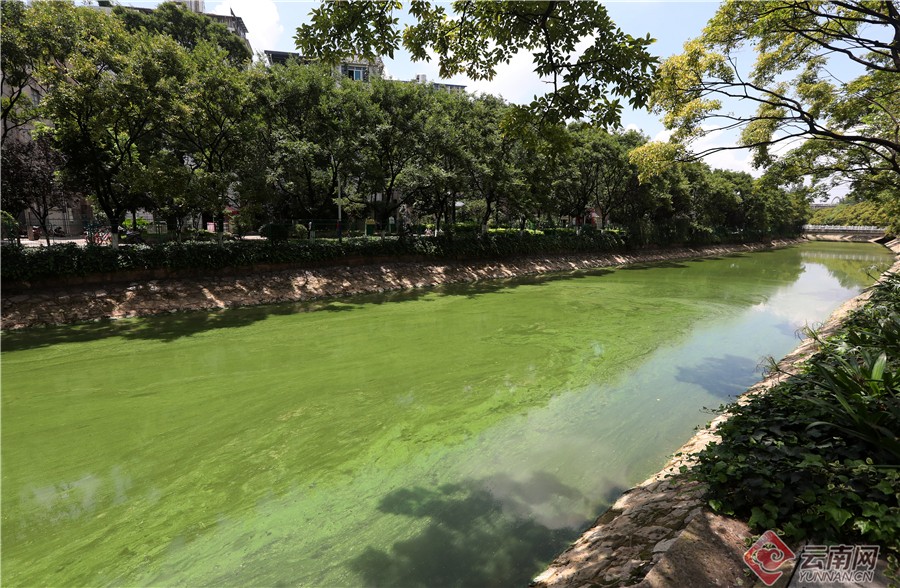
(8, 219)
(840, 131)
(818, 456)
(864, 213)
(478, 36)
(108, 148)
(186, 27)
(200, 235)
(57, 261)
(184, 131)
(141, 223)
(36, 38)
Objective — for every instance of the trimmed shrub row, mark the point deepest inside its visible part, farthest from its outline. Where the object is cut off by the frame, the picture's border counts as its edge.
(64, 260)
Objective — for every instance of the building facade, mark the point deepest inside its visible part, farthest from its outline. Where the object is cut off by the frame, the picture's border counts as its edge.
(360, 69)
(355, 69)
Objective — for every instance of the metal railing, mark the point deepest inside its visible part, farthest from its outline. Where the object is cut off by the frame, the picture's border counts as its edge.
(842, 229)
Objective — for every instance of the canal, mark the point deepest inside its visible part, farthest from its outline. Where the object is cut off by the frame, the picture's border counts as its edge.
(453, 436)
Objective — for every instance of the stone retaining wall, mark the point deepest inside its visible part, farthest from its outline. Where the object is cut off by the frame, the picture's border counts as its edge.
(39, 305)
(661, 533)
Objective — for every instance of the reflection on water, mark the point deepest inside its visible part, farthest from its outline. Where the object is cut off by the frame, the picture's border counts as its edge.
(725, 376)
(471, 538)
(457, 436)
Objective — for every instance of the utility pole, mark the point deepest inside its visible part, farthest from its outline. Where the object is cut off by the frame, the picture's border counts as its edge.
(340, 201)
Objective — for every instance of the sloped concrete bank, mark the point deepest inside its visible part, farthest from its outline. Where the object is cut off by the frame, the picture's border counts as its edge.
(661, 534)
(60, 304)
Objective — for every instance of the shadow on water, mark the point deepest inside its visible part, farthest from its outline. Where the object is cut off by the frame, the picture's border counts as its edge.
(165, 328)
(475, 535)
(789, 329)
(655, 265)
(482, 287)
(680, 263)
(721, 376)
(173, 326)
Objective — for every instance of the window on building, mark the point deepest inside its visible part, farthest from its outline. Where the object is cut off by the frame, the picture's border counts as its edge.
(35, 96)
(355, 72)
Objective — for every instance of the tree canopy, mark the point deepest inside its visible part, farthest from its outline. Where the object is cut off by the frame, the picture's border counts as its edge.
(476, 36)
(824, 83)
(145, 119)
(187, 28)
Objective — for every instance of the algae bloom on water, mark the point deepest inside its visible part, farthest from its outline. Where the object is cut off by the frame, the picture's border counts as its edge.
(452, 436)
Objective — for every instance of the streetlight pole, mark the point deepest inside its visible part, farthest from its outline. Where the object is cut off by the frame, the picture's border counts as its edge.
(340, 201)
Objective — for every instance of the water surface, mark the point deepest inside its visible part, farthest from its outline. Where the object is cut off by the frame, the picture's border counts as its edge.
(454, 436)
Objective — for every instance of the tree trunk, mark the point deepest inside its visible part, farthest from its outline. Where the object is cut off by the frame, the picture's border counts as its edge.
(452, 213)
(487, 215)
(42, 220)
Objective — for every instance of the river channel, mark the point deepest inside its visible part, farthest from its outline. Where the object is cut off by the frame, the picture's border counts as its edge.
(454, 436)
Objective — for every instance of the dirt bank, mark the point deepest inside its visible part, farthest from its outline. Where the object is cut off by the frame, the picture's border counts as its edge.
(48, 305)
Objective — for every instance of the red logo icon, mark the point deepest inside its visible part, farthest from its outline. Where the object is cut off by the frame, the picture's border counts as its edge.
(766, 556)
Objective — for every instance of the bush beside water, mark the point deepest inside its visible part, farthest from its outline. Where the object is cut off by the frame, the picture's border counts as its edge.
(818, 456)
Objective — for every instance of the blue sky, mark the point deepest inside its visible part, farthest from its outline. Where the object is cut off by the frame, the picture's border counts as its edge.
(273, 23)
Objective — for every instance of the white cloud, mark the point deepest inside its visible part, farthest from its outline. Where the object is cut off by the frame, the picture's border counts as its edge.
(515, 81)
(662, 136)
(733, 159)
(632, 127)
(261, 18)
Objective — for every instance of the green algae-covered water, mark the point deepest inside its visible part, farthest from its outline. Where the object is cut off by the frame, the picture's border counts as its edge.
(455, 436)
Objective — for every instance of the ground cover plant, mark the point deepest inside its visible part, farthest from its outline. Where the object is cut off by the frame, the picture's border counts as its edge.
(818, 456)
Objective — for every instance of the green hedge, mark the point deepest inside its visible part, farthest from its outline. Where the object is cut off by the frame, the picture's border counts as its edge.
(36, 263)
(63, 260)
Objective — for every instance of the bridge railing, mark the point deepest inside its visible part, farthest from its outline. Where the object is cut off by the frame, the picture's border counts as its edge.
(842, 229)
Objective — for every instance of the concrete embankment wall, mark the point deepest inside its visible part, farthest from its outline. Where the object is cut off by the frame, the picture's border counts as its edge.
(661, 534)
(29, 305)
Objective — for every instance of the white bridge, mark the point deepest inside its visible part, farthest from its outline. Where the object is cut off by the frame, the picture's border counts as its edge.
(843, 233)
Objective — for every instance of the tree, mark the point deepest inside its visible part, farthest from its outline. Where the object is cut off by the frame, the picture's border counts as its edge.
(434, 178)
(850, 212)
(347, 116)
(394, 138)
(488, 154)
(617, 185)
(210, 124)
(848, 130)
(480, 35)
(186, 27)
(286, 161)
(109, 102)
(31, 179)
(35, 37)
